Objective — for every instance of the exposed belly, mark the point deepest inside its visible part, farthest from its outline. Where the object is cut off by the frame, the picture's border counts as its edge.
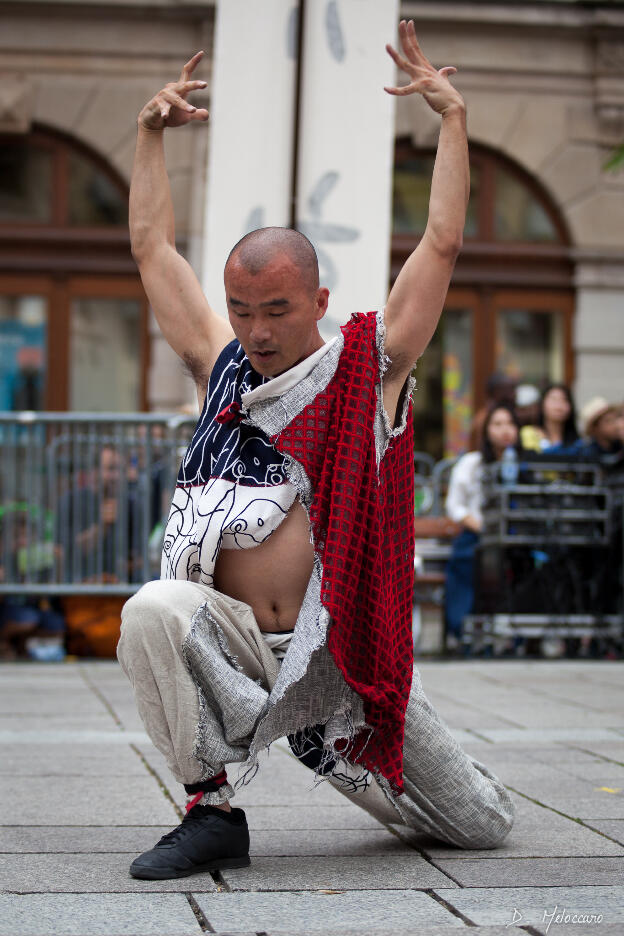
(272, 577)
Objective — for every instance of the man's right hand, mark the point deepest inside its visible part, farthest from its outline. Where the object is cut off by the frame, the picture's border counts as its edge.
(169, 108)
(190, 326)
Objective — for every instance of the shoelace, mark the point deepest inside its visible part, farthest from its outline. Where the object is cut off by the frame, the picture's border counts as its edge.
(181, 830)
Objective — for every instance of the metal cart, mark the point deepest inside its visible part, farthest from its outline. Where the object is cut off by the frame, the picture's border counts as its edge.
(549, 561)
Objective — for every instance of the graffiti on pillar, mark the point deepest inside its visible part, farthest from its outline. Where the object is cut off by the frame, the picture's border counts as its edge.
(320, 232)
(292, 33)
(255, 220)
(333, 31)
(325, 232)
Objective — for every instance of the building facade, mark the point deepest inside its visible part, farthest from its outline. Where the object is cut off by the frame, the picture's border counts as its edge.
(538, 290)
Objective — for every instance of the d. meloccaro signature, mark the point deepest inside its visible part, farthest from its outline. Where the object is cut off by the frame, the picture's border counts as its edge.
(559, 915)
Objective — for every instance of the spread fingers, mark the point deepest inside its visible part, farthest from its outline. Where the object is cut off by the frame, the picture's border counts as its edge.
(190, 66)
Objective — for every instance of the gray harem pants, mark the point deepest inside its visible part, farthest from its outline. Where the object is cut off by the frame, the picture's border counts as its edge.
(448, 794)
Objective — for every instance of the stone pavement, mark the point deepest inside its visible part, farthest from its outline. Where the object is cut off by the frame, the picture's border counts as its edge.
(83, 791)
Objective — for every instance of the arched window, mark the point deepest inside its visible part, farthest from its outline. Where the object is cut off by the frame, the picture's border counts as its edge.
(509, 308)
(72, 310)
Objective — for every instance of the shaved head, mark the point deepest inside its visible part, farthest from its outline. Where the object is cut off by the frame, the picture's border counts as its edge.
(258, 248)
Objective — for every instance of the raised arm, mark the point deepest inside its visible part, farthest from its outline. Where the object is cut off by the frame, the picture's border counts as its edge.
(417, 297)
(191, 327)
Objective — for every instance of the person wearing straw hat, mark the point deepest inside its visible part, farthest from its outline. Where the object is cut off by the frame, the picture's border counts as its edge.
(600, 425)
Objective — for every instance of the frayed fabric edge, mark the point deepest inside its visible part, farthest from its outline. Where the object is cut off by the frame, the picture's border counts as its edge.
(226, 791)
(340, 757)
(410, 384)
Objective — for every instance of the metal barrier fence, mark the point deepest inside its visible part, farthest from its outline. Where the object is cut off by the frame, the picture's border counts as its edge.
(83, 499)
(550, 560)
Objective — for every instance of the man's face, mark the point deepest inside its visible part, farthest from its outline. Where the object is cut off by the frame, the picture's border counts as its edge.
(109, 469)
(274, 313)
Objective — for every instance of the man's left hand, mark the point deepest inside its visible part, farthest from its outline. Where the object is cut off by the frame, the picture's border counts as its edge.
(434, 85)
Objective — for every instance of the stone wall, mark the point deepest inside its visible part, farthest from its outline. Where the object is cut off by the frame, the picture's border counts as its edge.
(544, 84)
(86, 69)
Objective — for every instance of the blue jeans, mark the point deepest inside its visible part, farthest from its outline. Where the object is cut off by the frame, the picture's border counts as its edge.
(459, 592)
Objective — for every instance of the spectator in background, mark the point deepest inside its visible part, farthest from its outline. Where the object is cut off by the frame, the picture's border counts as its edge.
(26, 617)
(22, 618)
(464, 505)
(601, 425)
(555, 432)
(500, 388)
(620, 423)
(99, 525)
(527, 405)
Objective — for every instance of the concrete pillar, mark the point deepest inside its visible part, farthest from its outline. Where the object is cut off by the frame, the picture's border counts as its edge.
(346, 149)
(251, 138)
(345, 140)
(599, 329)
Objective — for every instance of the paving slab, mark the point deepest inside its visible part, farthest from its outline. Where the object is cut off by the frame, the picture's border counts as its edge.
(564, 755)
(612, 827)
(408, 931)
(466, 714)
(14, 724)
(597, 770)
(537, 832)
(394, 872)
(50, 674)
(360, 912)
(135, 839)
(601, 805)
(532, 872)
(21, 702)
(583, 737)
(551, 730)
(534, 779)
(489, 906)
(79, 760)
(602, 929)
(525, 712)
(41, 736)
(329, 842)
(309, 817)
(611, 750)
(157, 763)
(119, 800)
(85, 874)
(97, 915)
(593, 697)
(510, 755)
(128, 718)
(25, 840)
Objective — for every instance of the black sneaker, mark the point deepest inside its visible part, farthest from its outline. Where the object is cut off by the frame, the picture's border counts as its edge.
(207, 839)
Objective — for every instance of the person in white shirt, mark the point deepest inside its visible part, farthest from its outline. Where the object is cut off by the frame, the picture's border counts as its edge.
(464, 505)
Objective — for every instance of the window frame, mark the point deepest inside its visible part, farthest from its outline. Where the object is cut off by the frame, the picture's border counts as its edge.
(490, 274)
(60, 262)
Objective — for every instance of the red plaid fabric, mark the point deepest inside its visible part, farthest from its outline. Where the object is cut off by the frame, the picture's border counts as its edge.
(363, 531)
